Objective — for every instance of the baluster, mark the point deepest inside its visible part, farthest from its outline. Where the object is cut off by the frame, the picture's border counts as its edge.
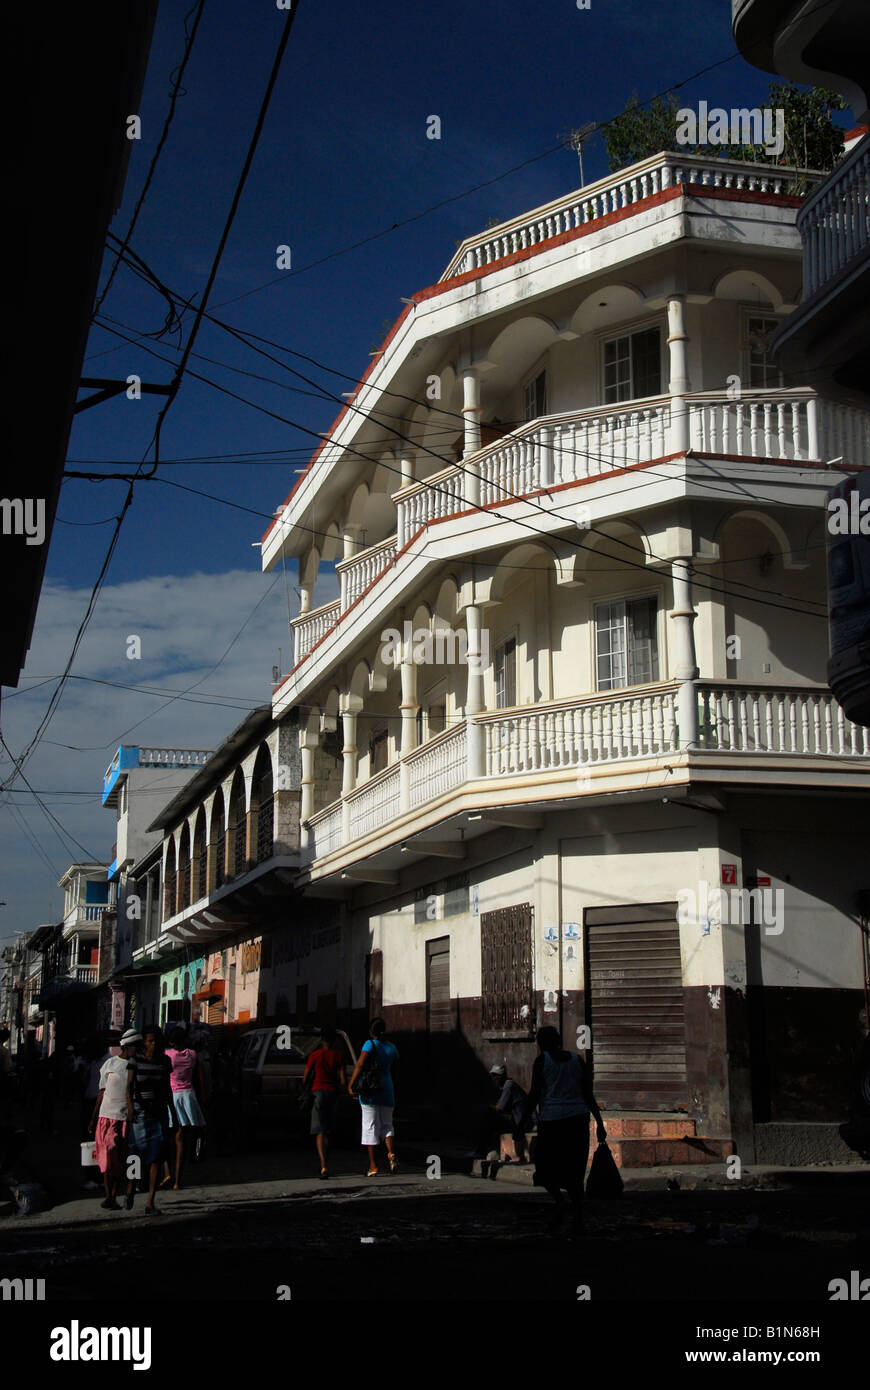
(796, 450)
(768, 436)
(756, 727)
(792, 724)
(780, 422)
(805, 724)
(828, 725)
(587, 734)
(817, 726)
(753, 430)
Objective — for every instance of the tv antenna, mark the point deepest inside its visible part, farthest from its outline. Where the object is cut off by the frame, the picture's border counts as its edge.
(576, 138)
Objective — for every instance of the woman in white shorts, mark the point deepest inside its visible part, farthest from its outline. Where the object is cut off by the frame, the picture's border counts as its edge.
(376, 1102)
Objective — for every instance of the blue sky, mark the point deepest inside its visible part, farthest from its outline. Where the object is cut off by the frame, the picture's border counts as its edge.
(344, 154)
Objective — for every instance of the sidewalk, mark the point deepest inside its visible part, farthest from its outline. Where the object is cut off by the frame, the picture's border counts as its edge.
(456, 1158)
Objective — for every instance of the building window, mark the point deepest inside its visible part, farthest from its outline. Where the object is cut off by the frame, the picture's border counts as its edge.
(761, 372)
(626, 643)
(633, 366)
(506, 969)
(378, 752)
(506, 674)
(535, 397)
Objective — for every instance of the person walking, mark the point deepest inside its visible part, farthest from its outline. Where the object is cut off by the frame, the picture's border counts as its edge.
(113, 1112)
(377, 1102)
(324, 1072)
(562, 1093)
(151, 1098)
(184, 1080)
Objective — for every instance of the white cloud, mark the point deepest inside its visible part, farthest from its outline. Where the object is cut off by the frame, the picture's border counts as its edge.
(185, 625)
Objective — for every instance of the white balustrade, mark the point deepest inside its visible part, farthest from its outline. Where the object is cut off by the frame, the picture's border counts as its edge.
(616, 727)
(844, 433)
(835, 222)
(308, 628)
(357, 573)
(618, 191)
(375, 803)
(580, 734)
(439, 765)
(324, 831)
(797, 721)
(768, 425)
(173, 757)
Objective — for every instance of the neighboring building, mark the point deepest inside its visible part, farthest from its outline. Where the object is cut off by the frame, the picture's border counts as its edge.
(88, 64)
(576, 672)
(232, 931)
(137, 782)
(824, 342)
(14, 972)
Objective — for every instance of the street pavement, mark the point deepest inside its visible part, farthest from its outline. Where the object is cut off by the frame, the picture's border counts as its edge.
(250, 1223)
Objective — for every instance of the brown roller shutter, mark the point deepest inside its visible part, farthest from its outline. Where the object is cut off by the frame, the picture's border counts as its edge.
(635, 1006)
(439, 1015)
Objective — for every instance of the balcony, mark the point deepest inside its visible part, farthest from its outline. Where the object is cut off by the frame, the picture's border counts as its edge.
(84, 974)
(792, 426)
(614, 193)
(84, 917)
(600, 743)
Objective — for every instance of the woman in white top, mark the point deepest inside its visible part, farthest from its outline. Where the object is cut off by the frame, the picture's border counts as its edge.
(112, 1112)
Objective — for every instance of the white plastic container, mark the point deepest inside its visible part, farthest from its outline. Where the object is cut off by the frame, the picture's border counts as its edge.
(89, 1154)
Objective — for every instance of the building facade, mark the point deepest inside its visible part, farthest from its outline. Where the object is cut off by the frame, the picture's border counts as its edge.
(564, 730)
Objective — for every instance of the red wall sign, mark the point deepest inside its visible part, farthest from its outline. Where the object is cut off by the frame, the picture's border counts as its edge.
(729, 873)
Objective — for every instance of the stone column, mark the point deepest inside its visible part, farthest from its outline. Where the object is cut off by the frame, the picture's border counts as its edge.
(685, 662)
(474, 702)
(678, 384)
(408, 710)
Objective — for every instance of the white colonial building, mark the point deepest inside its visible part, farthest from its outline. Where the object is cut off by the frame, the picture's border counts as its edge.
(574, 682)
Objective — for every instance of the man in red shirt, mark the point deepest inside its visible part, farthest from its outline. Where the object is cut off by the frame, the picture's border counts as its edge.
(324, 1072)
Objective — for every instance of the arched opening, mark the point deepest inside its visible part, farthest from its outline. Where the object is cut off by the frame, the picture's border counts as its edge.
(237, 858)
(199, 876)
(184, 870)
(169, 882)
(217, 843)
(263, 806)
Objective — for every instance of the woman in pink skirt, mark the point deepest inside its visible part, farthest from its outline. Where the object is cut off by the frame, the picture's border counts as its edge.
(112, 1111)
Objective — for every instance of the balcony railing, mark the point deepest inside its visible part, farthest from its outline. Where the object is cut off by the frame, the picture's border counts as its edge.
(357, 573)
(85, 974)
(621, 190)
(308, 628)
(613, 728)
(795, 723)
(792, 425)
(374, 800)
(617, 728)
(835, 222)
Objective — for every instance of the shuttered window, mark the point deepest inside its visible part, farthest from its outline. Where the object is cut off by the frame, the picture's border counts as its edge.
(506, 969)
(438, 1012)
(635, 1006)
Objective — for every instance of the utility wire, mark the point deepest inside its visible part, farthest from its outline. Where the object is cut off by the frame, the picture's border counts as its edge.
(487, 511)
(176, 79)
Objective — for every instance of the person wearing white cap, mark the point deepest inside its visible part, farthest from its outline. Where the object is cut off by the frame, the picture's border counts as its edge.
(112, 1113)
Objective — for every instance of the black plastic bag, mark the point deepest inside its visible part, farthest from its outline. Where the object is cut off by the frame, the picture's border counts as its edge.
(604, 1177)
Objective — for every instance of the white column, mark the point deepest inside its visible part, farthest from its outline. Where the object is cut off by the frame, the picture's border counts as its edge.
(308, 741)
(307, 580)
(474, 702)
(350, 540)
(350, 710)
(678, 384)
(408, 733)
(471, 412)
(685, 661)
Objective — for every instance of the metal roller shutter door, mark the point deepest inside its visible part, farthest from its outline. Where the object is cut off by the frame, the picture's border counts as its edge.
(635, 1003)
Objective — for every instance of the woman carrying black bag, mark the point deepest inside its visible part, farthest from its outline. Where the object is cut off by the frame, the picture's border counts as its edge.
(563, 1096)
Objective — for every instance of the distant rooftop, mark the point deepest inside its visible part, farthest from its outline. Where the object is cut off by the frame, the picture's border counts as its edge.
(128, 758)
